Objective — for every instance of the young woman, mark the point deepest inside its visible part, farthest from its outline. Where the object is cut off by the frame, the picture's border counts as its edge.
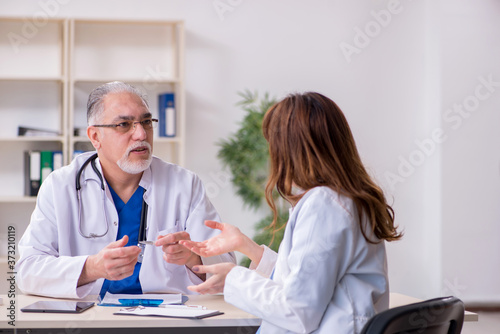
(330, 274)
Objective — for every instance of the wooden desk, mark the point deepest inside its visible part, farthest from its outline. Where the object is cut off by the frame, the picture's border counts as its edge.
(100, 319)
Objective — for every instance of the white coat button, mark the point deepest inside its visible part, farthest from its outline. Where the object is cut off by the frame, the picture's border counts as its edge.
(115, 223)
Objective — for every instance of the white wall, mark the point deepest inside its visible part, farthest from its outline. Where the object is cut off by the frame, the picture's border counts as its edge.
(470, 174)
(420, 60)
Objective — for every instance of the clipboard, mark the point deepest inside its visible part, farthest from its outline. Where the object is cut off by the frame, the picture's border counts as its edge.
(185, 312)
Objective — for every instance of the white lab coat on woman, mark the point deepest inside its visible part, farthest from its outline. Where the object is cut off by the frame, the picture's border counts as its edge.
(52, 251)
(327, 278)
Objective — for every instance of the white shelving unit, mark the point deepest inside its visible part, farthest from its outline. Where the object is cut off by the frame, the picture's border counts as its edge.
(46, 75)
(146, 54)
(33, 93)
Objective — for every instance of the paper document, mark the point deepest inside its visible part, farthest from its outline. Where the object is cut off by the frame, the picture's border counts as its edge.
(111, 299)
(170, 312)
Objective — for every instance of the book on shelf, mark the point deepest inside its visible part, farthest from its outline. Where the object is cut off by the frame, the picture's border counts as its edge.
(167, 115)
(46, 166)
(24, 131)
(31, 173)
(37, 166)
(57, 159)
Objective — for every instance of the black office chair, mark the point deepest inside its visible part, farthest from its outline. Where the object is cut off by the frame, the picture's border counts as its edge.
(434, 316)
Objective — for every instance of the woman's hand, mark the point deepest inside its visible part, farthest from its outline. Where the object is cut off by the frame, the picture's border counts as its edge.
(215, 284)
(229, 240)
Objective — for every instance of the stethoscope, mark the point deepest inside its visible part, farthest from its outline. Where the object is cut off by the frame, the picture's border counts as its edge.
(144, 210)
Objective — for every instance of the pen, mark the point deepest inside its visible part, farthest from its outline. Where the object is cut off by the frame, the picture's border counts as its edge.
(146, 242)
(198, 307)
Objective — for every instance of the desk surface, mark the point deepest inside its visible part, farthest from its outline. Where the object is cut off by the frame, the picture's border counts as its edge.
(102, 317)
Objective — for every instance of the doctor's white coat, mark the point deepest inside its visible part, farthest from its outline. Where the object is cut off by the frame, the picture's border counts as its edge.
(327, 278)
(52, 251)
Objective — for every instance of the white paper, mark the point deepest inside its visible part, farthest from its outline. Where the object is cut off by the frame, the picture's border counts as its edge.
(180, 312)
(168, 298)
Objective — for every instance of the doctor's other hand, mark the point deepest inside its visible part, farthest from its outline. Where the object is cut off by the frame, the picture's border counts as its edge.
(215, 284)
(113, 262)
(229, 240)
(176, 253)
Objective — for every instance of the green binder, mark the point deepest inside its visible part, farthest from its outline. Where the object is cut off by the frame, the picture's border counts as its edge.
(47, 165)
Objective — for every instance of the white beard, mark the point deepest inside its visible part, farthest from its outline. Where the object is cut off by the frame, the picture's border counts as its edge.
(136, 167)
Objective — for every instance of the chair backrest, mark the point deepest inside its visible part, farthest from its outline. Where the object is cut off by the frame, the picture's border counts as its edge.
(434, 316)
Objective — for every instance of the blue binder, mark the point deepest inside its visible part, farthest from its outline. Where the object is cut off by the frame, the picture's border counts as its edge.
(167, 115)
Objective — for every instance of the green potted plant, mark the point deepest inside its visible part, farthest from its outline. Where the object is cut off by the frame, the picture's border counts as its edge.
(246, 154)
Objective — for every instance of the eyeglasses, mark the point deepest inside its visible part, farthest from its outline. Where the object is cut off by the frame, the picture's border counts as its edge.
(126, 126)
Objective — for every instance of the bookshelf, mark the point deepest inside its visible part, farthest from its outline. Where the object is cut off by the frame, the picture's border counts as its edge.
(46, 74)
(32, 95)
(146, 54)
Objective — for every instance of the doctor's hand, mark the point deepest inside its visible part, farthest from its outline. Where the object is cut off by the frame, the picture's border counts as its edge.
(113, 262)
(215, 284)
(229, 240)
(176, 253)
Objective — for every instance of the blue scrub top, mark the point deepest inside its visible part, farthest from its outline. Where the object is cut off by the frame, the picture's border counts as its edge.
(129, 217)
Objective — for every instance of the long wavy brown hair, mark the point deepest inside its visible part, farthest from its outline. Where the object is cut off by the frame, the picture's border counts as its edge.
(311, 145)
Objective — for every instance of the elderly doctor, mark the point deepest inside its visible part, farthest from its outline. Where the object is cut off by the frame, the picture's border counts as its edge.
(74, 247)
